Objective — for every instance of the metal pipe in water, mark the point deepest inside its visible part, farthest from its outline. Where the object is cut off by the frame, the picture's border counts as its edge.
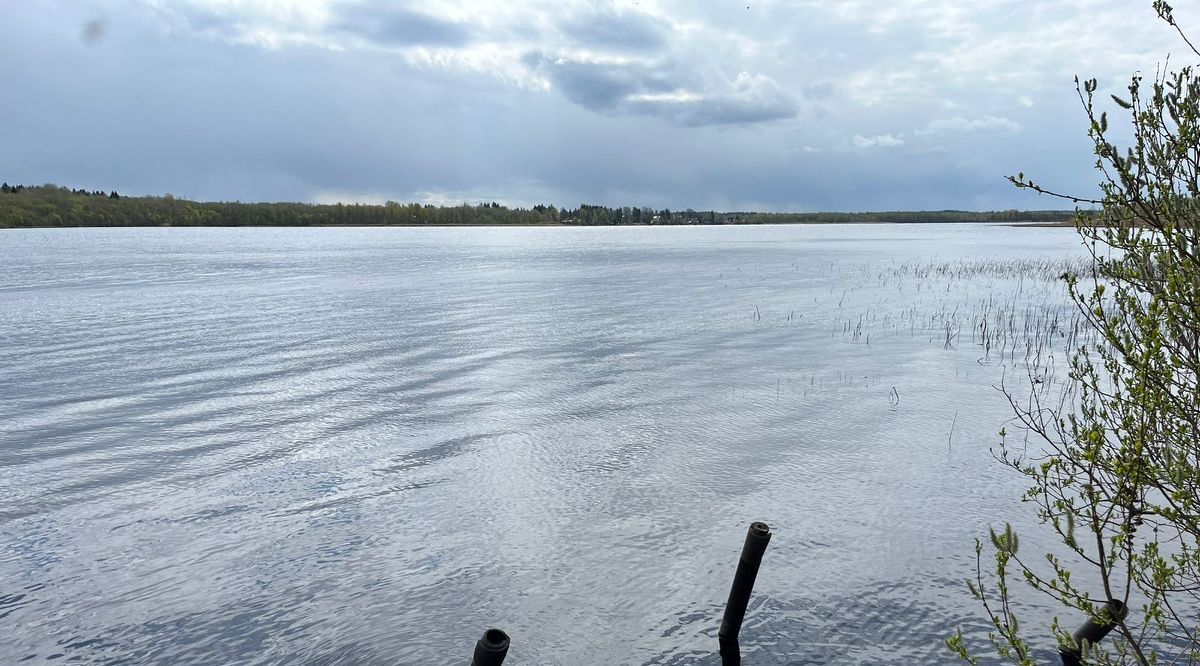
(1092, 632)
(491, 649)
(757, 538)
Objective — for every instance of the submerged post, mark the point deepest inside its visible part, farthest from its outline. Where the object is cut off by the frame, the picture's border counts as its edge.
(491, 649)
(1092, 632)
(757, 538)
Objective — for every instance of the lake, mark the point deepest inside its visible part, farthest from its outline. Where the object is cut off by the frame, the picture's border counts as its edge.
(368, 445)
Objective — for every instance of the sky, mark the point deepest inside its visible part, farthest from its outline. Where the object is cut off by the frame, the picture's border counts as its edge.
(772, 105)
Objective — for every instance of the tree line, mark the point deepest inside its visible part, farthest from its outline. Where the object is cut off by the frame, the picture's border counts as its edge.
(56, 206)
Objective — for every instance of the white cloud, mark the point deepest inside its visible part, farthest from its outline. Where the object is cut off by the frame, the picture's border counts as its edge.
(330, 197)
(512, 193)
(878, 141)
(1025, 101)
(984, 123)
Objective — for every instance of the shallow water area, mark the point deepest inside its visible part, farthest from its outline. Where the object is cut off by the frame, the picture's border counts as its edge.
(368, 445)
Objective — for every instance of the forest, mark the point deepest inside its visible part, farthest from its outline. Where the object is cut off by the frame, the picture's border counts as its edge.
(23, 206)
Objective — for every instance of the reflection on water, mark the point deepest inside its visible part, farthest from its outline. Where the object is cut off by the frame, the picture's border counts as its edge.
(367, 445)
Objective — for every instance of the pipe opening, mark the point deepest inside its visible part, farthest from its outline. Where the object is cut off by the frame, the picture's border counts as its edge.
(495, 639)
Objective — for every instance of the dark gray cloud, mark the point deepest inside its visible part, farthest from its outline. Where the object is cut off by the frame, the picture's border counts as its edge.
(599, 86)
(665, 90)
(608, 27)
(391, 24)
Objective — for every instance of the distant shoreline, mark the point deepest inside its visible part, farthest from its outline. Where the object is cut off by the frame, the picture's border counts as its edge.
(1005, 223)
(51, 206)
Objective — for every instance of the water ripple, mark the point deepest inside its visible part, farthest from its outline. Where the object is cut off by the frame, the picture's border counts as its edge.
(367, 445)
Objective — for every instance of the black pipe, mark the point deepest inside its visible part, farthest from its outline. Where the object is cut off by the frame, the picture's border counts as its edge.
(1092, 632)
(491, 649)
(757, 538)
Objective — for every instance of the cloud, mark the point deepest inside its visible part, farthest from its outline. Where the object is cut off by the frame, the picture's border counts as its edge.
(329, 197)
(911, 103)
(616, 60)
(986, 123)
(879, 141)
(388, 24)
(666, 90)
(601, 85)
(819, 90)
(610, 28)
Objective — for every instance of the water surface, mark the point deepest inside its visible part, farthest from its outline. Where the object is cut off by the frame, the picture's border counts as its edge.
(367, 445)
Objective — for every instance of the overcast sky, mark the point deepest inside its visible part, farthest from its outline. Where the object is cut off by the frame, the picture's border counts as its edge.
(755, 104)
